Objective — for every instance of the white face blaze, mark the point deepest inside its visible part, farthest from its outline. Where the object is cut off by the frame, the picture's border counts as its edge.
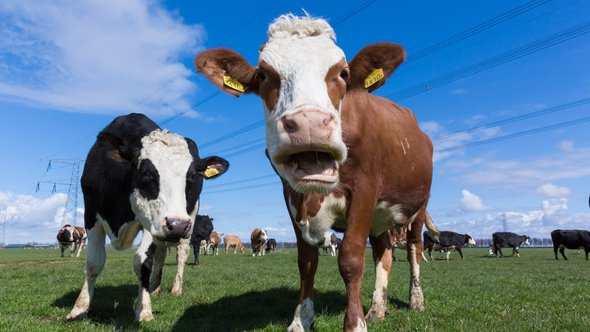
(171, 157)
(301, 51)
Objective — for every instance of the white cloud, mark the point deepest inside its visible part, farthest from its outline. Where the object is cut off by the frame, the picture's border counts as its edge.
(471, 202)
(33, 219)
(96, 56)
(551, 190)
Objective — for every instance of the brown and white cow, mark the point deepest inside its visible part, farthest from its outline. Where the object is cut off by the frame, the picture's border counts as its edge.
(233, 241)
(258, 241)
(214, 242)
(348, 160)
(73, 237)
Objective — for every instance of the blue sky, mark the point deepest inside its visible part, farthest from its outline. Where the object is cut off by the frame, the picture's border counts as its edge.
(68, 68)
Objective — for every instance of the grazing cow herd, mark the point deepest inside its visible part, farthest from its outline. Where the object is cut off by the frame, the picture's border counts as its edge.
(348, 161)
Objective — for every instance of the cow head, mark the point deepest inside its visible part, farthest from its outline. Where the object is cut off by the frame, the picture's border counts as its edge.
(302, 78)
(66, 234)
(166, 181)
(526, 240)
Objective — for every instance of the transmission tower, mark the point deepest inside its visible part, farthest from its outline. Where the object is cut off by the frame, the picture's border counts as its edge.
(73, 185)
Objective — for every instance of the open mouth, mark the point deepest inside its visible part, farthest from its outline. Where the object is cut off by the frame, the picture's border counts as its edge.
(317, 166)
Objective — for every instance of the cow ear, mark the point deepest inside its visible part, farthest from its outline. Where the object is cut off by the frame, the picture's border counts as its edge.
(212, 167)
(371, 67)
(116, 147)
(228, 70)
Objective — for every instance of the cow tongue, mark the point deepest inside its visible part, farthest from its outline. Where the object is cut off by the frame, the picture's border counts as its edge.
(314, 163)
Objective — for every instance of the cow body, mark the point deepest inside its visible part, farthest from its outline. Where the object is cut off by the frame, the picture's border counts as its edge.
(570, 239)
(72, 237)
(507, 240)
(271, 245)
(258, 241)
(330, 243)
(201, 232)
(348, 160)
(214, 242)
(446, 242)
(138, 177)
(232, 241)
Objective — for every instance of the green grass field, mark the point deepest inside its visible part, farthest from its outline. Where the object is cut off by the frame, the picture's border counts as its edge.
(243, 293)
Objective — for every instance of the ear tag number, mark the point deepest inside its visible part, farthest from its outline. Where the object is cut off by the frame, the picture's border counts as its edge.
(210, 172)
(232, 83)
(374, 77)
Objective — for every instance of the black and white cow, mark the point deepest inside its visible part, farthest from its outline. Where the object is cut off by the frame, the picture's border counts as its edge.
(446, 242)
(271, 245)
(574, 239)
(138, 177)
(72, 237)
(507, 240)
(201, 232)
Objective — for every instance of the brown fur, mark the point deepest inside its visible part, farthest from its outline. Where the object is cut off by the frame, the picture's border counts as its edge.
(233, 241)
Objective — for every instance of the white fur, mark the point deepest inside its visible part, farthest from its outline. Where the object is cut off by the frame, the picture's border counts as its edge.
(416, 295)
(379, 305)
(361, 326)
(170, 155)
(387, 217)
(303, 318)
(301, 50)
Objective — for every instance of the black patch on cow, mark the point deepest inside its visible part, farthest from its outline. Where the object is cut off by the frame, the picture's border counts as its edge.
(146, 266)
(194, 182)
(147, 180)
(201, 231)
(107, 176)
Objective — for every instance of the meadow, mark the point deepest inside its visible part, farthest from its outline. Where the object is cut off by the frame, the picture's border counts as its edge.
(244, 293)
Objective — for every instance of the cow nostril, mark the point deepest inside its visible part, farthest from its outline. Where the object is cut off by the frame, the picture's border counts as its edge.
(328, 120)
(290, 125)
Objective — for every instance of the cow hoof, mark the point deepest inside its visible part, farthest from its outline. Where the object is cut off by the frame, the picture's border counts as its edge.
(76, 314)
(176, 291)
(145, 316)
(376, 315)
(157, 291)
(295, 327)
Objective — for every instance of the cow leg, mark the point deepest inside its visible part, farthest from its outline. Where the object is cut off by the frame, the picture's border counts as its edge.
(307, 260)
(142, 264)
(414, 238)
(72, 249)
(94, 264)
(448, 253)
(62, 248)
(460, 252)
(562, 251)
(182, 250)
(499, 250)
(515, 251)
(80, 247)
(430, 253)
(196, 250)
(382, 257)
(555, 248)
(159, 258)
(586, 250)
(351, 260)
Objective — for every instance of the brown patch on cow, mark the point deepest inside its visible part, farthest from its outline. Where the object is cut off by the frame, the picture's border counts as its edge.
(381, 55)
(268, 85)
(336, 83)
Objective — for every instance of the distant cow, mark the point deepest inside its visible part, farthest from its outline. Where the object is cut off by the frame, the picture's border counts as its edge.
(446, 242)
(574, 239)
(73, 237)
(201, 231)
(329, 243)
(271, 245)
(138, 177)
(214, 242)
(507, 240)
(258, 241)
(233, 241)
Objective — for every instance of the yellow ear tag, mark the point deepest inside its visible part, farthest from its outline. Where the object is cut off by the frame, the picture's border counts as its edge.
(210, 172)
(232, 83)
(374, 77)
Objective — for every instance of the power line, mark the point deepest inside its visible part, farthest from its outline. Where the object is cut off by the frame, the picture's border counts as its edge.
(518, 134)
(353, 12)
(541, 44)
(242, 188)
(514, 119)
(476, 29)
(242, 181)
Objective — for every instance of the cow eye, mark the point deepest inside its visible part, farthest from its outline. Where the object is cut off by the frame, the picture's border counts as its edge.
(191, 176)
(344, 74)
(259, 76)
